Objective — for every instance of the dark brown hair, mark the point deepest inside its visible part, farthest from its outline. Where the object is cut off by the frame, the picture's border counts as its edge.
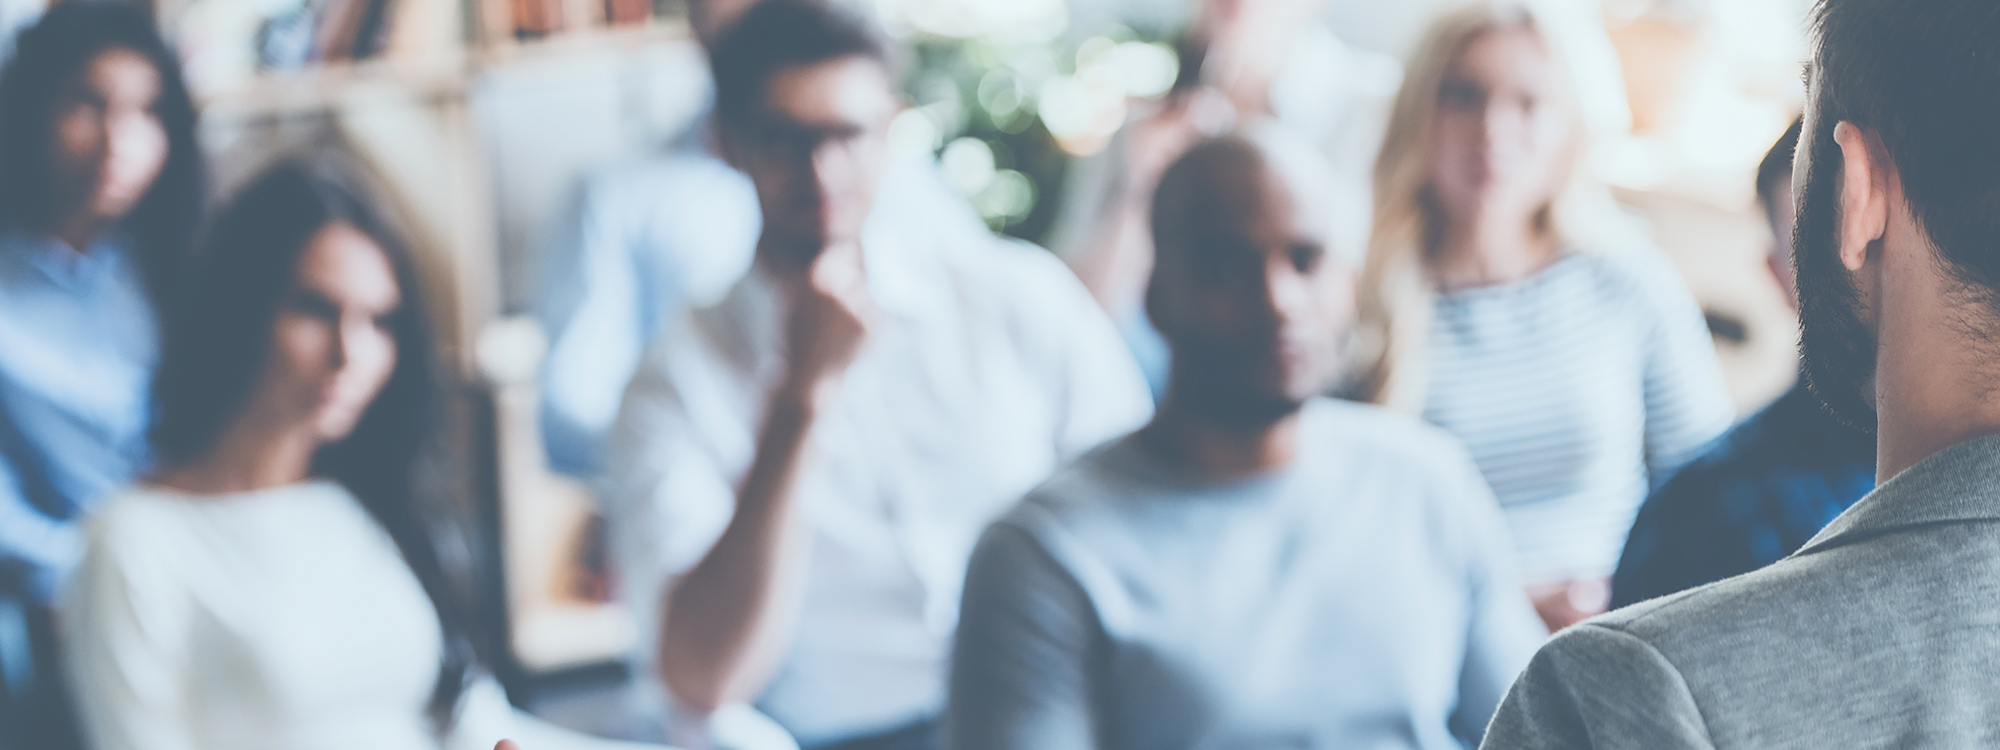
(218, 337)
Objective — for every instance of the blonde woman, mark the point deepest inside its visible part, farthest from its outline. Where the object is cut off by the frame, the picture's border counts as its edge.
(1510, 302)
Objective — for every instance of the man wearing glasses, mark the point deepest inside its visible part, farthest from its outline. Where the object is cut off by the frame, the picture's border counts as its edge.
(799, 472)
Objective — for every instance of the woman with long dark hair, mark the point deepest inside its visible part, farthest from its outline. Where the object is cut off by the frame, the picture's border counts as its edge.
(279, 581)
(100, 192)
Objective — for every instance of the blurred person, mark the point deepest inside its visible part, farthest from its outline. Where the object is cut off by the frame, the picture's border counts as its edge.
(799, 471)
(1878, 633)
(1240, 60)
(100, 192)
(1256, 567)
(1509, 301)
(1769, 485)
(281, 580)
(650, 237)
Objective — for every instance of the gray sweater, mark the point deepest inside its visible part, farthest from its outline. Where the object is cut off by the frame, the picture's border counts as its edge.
(1362, 598)
(1880, 633)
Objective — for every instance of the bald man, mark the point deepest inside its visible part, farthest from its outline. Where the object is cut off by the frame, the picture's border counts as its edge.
(1256, 567)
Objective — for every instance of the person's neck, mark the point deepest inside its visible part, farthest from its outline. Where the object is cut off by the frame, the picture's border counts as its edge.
(79, 230)
(1187, 438)
(246, 459)
(1935, 387)
(1490, 248)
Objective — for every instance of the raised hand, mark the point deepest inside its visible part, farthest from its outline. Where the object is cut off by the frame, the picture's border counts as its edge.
(830, 319)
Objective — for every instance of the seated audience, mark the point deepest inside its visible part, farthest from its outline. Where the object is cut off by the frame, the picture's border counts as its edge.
(1255, 567)
(279, 582)
(799, 471)
(1507, 300)
(1240, 60)
(1767, 486)
(100, 187)
(649, 238)
(1879, 632)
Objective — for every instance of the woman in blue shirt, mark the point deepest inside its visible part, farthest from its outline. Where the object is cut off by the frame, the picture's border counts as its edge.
(100, 192)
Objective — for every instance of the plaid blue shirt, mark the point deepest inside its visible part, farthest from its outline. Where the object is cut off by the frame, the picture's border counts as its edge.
(1754, 497)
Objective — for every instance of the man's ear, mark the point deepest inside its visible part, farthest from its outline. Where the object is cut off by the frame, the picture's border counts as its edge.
(1864, 192)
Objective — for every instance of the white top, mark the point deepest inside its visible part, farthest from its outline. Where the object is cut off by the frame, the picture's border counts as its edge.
(276, 620)
(990, 367)
(1576, 390)
(1362, 597)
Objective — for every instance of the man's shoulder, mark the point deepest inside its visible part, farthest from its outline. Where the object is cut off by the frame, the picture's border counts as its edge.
(1818, 650)
(1379, 428)
(1658, 666)
(1069, 515)
(1087, 485)
(1753, 632)
(1383, 439)
(1783, 597)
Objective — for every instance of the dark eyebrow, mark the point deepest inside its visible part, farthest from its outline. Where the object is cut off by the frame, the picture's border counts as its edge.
(88, 95)
(312, 302)
(776, 125)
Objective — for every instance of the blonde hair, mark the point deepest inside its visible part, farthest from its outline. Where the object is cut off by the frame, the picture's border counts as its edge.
(1398, 292)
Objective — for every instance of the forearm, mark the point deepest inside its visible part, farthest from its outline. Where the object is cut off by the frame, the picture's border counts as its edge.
(729, 618)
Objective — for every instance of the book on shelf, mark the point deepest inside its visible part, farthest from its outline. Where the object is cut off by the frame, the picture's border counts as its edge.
(423, 29)
(331, 31)
(504, 20)
(582, 14)
(622, 12)
(335, 25)
(307, 32)
(537, 18)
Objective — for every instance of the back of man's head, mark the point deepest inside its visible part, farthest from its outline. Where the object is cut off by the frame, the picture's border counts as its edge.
(775, 35)
(1924, 76)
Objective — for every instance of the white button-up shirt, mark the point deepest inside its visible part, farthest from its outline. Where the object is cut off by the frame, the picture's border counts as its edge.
(990, 367)
(652, 238)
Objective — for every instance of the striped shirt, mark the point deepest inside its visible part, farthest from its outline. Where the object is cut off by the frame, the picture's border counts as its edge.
(1576, 390)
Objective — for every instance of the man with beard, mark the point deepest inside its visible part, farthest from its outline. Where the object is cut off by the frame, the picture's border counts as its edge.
(1880, 631)
(1255, 567)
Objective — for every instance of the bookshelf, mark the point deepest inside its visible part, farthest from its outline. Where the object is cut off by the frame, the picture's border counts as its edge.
(476, 117)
